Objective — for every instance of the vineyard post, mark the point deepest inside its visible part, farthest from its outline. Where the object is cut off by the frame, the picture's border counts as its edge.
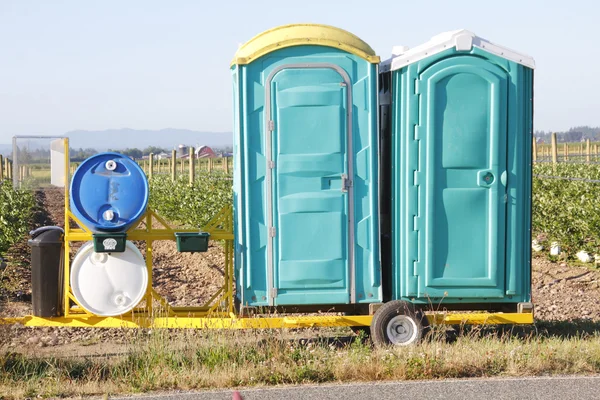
(173, 165)
(580, 150)
(150, 165)
(1, 168)
(534, 148)
(192, 162)
(587, 150)
(595, 152)
(566, 155)
(554, 149)
(210, 165)
(226, 165)
(9, 169)
(182, 165)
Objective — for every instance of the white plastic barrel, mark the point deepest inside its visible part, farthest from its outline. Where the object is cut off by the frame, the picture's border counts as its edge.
(108, 284)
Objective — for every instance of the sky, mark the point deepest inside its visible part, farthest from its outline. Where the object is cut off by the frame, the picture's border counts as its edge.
(68, 65)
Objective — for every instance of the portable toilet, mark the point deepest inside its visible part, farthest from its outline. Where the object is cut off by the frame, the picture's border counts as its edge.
(305, 168)
(458, 113)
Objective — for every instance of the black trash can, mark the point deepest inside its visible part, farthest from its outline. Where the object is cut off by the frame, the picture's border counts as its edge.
(47, 253)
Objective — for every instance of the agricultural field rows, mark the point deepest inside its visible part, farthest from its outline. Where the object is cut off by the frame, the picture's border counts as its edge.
(566, 206)
(16, 210)
(191, 205)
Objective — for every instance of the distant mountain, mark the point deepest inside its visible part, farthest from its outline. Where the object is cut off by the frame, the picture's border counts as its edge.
(136, 138)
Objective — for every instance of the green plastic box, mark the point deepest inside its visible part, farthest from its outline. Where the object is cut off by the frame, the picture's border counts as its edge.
(109, 242)
(191, 242)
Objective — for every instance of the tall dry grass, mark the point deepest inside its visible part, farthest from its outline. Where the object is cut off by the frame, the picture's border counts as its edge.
(161, 360)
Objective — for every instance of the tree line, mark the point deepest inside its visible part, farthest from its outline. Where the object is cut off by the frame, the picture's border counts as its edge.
(574, 134)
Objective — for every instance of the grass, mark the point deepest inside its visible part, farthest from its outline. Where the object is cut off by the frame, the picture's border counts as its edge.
(188, 360)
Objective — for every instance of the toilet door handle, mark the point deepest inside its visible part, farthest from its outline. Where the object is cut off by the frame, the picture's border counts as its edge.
(346, 183)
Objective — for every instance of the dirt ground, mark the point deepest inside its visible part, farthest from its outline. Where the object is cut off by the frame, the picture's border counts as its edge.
(560, 291)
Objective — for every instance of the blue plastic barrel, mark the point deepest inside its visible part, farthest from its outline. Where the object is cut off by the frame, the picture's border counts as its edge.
(109, 192)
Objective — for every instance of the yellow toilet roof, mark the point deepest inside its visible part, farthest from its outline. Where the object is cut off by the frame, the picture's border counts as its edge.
(302, 34)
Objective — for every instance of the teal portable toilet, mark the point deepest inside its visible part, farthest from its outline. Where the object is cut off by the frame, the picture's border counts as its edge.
(306, 168)
(457, 112)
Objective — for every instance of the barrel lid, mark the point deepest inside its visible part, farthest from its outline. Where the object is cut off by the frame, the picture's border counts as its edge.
(109, 284)
(109, 192)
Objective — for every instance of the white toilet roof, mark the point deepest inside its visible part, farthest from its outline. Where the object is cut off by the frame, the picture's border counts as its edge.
(461, 39)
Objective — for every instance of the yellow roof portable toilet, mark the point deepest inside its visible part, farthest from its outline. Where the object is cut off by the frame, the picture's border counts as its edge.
(305, 173)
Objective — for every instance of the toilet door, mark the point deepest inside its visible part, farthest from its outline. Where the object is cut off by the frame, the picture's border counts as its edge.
(462, 202)
(310, 203)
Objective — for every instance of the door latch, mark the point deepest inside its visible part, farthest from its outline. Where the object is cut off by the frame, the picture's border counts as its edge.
(346, 183)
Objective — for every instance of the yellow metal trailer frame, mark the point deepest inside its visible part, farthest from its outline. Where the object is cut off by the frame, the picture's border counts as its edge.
(218, 312)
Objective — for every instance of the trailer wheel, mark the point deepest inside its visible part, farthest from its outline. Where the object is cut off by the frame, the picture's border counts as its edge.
(399, 323)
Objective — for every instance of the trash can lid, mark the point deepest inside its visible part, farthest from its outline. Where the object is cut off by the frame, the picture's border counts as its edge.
(46, 235)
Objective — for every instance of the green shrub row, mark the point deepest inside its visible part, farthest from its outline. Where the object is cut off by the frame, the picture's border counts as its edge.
(191, 205)
(16, 210)
(566, 202)
(567, 210)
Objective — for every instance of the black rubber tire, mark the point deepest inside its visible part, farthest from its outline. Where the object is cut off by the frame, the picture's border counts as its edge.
(399, 323)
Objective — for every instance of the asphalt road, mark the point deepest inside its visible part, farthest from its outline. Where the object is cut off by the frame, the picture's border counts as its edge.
(546, 388)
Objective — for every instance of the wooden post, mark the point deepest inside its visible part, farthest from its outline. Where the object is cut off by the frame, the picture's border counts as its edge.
(150, 165)
(210, 165)
(182, 166)
(9, 168)
(595, 152)
(566, 155)
(173, 165)
(226, 165)
(587, 150)
(1, 168)
(554, 149)
(192, 166)
(534, 152)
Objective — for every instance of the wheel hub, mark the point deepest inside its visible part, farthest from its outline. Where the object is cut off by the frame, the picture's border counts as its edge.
(402, 330)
